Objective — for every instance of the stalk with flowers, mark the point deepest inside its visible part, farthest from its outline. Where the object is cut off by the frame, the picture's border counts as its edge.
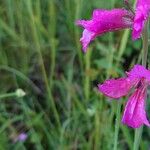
(138, 78)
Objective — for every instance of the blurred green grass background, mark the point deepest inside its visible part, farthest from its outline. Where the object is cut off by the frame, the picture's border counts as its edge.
(40, 53)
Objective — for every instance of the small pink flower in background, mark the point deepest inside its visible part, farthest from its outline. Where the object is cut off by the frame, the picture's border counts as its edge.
(21, 137)
(110, 20)
(138, 78)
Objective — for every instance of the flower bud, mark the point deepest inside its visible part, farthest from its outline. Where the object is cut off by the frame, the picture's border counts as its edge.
(20, 93)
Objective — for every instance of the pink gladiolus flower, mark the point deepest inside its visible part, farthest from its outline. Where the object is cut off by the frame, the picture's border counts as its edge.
(141, 15)
(104, 21)
(138, 78)
(110, 20)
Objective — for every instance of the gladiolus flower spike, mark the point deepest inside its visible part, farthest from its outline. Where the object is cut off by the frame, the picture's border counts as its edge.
(138, 78)
(111, 20)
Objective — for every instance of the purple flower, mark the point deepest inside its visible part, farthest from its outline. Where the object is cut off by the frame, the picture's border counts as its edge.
(110, 20)
(21, 137)
(138, 78)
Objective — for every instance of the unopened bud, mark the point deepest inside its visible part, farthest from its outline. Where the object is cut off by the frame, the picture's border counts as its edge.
(91, 111)
(20, 93)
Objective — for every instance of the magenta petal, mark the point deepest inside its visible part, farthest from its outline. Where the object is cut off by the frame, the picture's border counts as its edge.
(141, 14)
(105, 21)
(134, 113)
(138, 72)
(86, 38)
(115, 88)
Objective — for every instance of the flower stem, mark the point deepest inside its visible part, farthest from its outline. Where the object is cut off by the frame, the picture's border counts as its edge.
(145, 44)
(18, 93)
(137, 138)
(138, 132)
(8, 95)
(117, 123)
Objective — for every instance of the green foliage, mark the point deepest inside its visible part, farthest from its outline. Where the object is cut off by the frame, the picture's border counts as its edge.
(40, 53)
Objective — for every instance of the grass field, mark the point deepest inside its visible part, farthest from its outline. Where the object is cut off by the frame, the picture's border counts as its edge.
(40, 53)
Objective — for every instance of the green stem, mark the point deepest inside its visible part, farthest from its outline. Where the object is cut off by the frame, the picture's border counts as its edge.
(78, 5)
(117, 123)
(8, 95)
(51, 102)
(53, 42)
(87, 76)
(145, 44)
(138, 132)
(137, 138)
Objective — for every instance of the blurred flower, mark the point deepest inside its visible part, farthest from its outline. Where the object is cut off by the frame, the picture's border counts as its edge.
(20, 93)
(139, 78)
(91, 111)
(110, 20)
(21, 137)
